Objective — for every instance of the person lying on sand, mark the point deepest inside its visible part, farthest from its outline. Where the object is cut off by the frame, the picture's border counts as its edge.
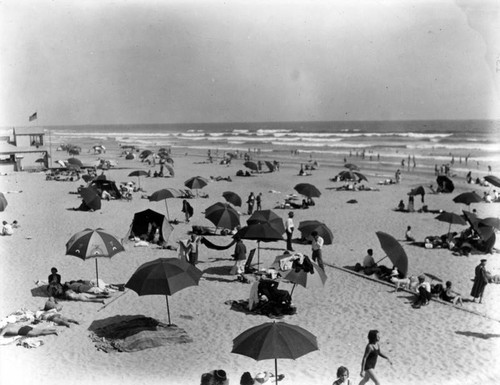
(26, 330)
(83, 297)
(54, 316)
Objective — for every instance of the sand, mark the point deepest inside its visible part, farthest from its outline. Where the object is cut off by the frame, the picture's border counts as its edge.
(437, 344)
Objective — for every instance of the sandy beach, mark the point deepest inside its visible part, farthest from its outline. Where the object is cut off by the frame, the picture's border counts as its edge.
(434, 344)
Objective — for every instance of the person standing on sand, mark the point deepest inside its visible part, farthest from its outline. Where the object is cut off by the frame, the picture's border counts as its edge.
(369, 361)
(480, 281)
(187, 209)
(317, 249)
(250, 203)
(258, 199)
(289, 226)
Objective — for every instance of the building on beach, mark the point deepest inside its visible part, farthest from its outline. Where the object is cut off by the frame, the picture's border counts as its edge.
(23, 149)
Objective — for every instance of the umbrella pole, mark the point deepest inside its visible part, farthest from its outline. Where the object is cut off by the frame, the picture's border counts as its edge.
(276, 370)
(449, 228)
(96, 273)
(293, 288)
(380, 260)
(168, 311)
(166, 206)
(258, 255)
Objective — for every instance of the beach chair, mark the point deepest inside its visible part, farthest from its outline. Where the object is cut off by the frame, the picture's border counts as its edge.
(248, 264)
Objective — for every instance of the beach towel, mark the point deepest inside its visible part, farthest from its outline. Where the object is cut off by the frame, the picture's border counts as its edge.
(136, 333)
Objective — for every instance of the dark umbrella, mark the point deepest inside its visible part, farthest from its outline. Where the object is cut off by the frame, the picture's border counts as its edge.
(101, 177)
(164, 194)
(129, 156)
(91, 198)
(307, 227)
(251, 165)
(495, 181)
(316, 279)
(273, 340)
(260, 232)
(351, 175)
(308, 190)
(351, 166)
(92, 244)
(467, 198)
(394, 251)
(144, 154)
(267, 216)
(451, 218)
(223, 215)
(418, 191)
(138, 174)
(490, 221)
(75, 161)
(74, 167)
(232, 198)
(3, 202)
(164, 276)
(87, 177)
(445, 184)
(196, 183)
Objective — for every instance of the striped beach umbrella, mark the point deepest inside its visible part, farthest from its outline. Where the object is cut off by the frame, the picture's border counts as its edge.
(93, 244)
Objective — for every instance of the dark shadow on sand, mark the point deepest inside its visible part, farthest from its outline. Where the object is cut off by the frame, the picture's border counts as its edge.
(218, 270)
(484, 336)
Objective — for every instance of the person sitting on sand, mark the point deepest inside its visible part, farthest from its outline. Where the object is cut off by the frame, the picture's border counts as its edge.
(408, 235)
(369, 265)
(56, 317)
(83, 297)
(424, 292)
(26, 330)
(449, 295)
(7, 228)
(342, 376)
(401, 205)
(54, 289)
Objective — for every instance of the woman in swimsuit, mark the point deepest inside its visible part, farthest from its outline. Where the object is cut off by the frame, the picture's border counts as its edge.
(26, 330)
(372, 352)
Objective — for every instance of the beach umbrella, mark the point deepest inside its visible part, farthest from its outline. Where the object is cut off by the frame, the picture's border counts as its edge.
(308, 190)
(87, 177)
(490, 221)
(144, 154)
(351, 166)
(495, 181)
(223, 215)
(467, 198)
(251, 165)
(445, 184)
(273, 340)
(3, 202)
(314, 279)
(93, 244)
(75, 161)
(74, 167)
(130, 156)
(451, 218)
(163, 276)
(267, 216)
(74, 150)
(196, 183)
(394, 251)
(169, 160)
(138, 174)
(420, 190)
(163, 195)
(307, 227)
(270, 165)
(91, 198)
(260, 232)
(351, 175)
(101, 177)
(232, 198)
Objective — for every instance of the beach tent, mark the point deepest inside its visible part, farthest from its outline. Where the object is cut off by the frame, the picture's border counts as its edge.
(106, 185)
(143, 223)
(445, 184)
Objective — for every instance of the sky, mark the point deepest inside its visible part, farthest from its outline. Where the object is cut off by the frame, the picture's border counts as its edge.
(164, 61)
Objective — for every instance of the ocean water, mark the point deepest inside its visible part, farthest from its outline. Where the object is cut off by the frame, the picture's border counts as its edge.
(433, 140)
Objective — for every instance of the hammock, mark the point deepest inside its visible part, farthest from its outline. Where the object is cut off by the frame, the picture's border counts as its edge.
(213, 246)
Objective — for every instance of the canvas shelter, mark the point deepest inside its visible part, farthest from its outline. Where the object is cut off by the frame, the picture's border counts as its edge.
(145, 221)
(106, 185)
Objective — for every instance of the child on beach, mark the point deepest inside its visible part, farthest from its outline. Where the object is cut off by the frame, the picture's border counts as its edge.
(369, 361)
(342, 376)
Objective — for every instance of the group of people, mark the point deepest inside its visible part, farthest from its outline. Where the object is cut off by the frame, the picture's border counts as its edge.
(8, 228)
(254, 201)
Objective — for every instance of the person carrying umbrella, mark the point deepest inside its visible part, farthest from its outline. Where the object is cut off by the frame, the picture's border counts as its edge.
(317, 249)
(289, 226)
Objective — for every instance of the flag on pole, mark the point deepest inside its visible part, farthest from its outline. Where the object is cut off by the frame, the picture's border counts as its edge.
(33, 117)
